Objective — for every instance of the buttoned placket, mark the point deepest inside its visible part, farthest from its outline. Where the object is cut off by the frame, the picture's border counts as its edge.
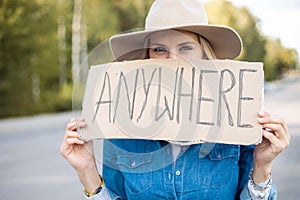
(178, 172)
(168, 173)
(173, 172)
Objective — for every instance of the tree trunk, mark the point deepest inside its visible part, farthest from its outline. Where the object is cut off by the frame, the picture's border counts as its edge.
(76, 39)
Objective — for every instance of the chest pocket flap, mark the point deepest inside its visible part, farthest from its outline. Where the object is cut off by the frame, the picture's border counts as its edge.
(223, 152)
(135, 162)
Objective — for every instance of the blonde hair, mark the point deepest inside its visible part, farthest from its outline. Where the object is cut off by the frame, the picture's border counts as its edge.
(207, 49)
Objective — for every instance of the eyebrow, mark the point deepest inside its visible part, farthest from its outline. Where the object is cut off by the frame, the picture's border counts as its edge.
(157, 44)
(185, 43)
(181, 44)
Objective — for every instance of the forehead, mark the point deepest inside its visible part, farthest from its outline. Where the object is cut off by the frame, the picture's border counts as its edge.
(173, 35)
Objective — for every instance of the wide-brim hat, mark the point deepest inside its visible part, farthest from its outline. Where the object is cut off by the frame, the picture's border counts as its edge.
(187, 15)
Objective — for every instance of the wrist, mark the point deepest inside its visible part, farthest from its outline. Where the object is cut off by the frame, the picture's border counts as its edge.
(261, 173)
(90, 179)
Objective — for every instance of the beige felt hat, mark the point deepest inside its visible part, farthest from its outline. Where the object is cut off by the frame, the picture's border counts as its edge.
(189, 15)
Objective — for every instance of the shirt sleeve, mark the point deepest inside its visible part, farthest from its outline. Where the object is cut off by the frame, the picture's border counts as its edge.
(250, 193)
(105, 194)
(246, 191)
(257, 194)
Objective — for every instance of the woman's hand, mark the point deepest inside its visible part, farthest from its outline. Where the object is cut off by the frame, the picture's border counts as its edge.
(77, 152)
(80, 155)
(276, 138)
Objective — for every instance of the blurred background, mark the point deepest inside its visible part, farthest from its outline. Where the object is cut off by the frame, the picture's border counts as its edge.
(43, 45)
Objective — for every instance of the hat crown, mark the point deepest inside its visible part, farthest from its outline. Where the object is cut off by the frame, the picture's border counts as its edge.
(187, 15)
(176, 13)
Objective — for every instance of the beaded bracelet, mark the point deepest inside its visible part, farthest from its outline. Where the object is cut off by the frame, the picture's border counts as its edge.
(259, 188)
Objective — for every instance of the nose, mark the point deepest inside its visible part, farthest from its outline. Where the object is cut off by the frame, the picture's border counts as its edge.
(172, 55)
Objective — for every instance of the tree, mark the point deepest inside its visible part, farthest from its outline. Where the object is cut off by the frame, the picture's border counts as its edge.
(225, 13)
(256, 46)
(28, 57)
(105, 18)
(279, 60)
(36, 45)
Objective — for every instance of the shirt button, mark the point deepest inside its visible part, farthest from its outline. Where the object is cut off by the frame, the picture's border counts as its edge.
(177, 173)
(133, 164)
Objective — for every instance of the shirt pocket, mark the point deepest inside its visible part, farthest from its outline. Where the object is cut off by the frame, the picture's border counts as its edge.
(137, 171)
(216, 170)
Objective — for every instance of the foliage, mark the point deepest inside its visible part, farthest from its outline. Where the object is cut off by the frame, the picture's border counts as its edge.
(278, 59)
(224, 13)
(36, 46)
(256, 46)
(27, 56)
(105, 18)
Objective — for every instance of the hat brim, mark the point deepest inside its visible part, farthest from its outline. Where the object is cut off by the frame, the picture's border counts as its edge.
(225, 42)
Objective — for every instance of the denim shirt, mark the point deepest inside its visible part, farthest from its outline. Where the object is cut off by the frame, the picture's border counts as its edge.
(143, 169)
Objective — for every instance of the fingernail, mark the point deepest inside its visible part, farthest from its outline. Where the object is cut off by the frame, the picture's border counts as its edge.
(80, 124)
(261, 119)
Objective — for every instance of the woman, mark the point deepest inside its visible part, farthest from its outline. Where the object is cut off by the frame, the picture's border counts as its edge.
(142, 169)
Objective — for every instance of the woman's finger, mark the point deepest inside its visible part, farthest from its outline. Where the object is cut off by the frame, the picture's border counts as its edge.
(278, 132)
(276, 129)
(72, 134)
(271, 119)
(77, 119)
(264, 114)
(72, 126)
(271, 137)
(268, 118)
(71, 141)
(277, 145)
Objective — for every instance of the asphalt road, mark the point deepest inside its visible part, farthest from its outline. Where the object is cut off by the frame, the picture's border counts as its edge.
(284, 100)
(31, 166)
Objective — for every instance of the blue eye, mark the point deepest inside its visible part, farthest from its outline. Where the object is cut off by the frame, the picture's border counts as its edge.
(185, 48)
(159, 49)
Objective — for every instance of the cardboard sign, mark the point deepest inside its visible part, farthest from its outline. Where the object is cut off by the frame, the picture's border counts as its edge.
(174, 100)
